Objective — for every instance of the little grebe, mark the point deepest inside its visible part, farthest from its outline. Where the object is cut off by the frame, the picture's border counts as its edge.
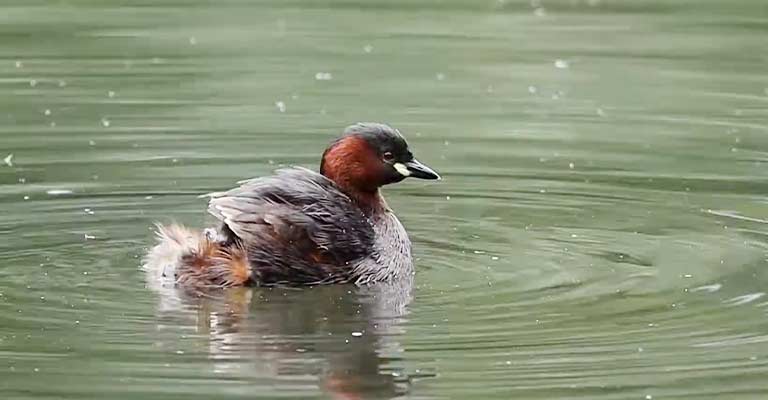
(299, 227)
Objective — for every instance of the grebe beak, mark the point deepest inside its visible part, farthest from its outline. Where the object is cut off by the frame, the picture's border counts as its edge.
(415, 169)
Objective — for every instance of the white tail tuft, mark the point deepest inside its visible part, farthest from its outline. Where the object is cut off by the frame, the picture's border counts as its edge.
(174, 242)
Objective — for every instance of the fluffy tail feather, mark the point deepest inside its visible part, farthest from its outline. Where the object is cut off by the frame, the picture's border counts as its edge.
(192, 258)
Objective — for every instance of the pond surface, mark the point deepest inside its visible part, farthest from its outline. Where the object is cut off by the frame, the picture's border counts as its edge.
(600, 232)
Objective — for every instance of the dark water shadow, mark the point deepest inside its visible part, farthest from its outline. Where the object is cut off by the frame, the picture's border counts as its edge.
(343, 338)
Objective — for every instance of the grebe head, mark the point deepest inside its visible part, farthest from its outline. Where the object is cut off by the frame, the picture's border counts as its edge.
(370, 155)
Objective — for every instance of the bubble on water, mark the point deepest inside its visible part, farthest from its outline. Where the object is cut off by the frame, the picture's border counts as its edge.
(8, 160)
(26, 197)
(22, 180)
(447, 197)
(540, 12)
(47, 112)
(532, 89)
(192, 40)
(561, 64)
(600, 112)
(280, 106)
(33, 82)
(105, 122)
(111, 94)
(489, 89)
(593, 3)
(571, 165)
(88, 211)
(648, 397)
(19, 64)
(368, 48)
(91, 143)
(494, 258)
(58, 192)
(440, 76)
(323, 76)
(62, 83)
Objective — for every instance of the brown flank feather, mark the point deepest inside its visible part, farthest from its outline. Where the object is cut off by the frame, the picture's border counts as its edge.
(193, 259)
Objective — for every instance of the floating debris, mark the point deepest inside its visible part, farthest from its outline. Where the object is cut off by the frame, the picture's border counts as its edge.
(192, 41)
(47, 111)
(440, 76)
(111, 94)
(88, 237)
(357, 334)
(105, 122)
(561, 64)
(323, 76)
(532, 89)
(62, 83)
(8, 160)
(280, 106)
(368, 48)
(19, 64)
(33, 82)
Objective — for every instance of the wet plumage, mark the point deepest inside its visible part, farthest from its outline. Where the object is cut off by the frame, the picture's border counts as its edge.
(300, 227)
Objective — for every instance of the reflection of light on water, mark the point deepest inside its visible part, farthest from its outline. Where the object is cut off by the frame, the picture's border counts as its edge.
(735, 215)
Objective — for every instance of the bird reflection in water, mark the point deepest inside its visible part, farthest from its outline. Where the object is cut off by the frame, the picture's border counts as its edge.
(339, 338)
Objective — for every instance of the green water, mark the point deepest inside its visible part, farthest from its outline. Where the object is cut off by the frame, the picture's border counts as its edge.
(600, 232)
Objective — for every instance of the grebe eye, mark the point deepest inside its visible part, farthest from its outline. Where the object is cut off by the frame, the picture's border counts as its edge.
(388, 156)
